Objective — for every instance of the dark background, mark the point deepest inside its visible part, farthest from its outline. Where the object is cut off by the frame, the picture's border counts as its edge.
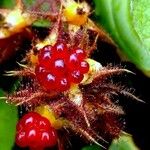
(137, 114)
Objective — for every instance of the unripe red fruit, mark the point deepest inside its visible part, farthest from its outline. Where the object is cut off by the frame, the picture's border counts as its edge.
(60, 66)
(35, 131)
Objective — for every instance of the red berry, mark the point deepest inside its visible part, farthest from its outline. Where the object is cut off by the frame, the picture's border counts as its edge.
(63, 84)
(60, 50)
(44, 124)
(80, 53)
(73, 61)
(40, 71)
(21, 139)
(32, 136)
(48, 138)
(84, 67)
(35, 132)
(58, 66)
(76, 76)
(28, 120)
(45, 56)
(49, 81)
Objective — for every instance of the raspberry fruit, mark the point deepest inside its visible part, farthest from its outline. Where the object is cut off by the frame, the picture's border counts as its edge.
(84, 67)
(59, 66)
(45, 55)
(76, 76)
(60, 50)
(35, 131)
(80, 53)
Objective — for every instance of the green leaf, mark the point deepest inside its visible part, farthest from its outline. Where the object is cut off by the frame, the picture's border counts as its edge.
(8, 119)
(141, 9)
(92, 147)
(116, 16)
(44, 7)
(42, 23)
(29, 3)
(124, 142)
(7, 3)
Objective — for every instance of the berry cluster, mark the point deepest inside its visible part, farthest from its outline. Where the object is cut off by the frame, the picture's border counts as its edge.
(35, 131)
(60, 66)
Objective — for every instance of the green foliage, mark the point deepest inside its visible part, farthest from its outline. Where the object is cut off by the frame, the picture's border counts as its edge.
(123, 143)
(7, 3)
(8, 113)
(142, 24)
(8, 119)
(29, 3)
(117, 18)
(42, 23)
(92, 147)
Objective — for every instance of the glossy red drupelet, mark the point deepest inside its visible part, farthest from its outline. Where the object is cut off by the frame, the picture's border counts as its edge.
(35, 131)
(59, 67)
